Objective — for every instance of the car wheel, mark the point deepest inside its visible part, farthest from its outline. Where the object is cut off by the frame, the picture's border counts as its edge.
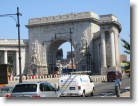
(93, 91)
(83, 94)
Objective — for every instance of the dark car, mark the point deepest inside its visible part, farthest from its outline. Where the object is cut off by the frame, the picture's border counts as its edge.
(111, 75)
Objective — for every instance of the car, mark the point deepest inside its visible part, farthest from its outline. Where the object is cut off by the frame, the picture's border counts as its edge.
(34, 90)
(67, 71)
(17, 77)
(76, 85)
(111, 75)
(128, 72)
(6, 91)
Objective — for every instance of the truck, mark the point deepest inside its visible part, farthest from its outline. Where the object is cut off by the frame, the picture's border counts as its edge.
(76, 85)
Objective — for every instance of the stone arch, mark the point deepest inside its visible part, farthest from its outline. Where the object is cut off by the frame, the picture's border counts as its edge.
(86, 25)
(52, 50)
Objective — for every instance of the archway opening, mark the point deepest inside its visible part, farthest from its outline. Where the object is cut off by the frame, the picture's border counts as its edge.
(64, 56)
(60, 56)
(66, 50)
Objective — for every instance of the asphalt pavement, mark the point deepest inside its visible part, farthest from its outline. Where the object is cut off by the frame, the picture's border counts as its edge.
(105, 89)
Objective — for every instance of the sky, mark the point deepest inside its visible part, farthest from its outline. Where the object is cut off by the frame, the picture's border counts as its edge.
(43, 8)
(39, 8)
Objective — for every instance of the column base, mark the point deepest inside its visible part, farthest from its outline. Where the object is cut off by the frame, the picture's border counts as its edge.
(104, 70)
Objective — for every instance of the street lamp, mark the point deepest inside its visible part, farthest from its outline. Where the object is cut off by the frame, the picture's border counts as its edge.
(84, 51)
(18, 26)
(52, 54)
(87, 57)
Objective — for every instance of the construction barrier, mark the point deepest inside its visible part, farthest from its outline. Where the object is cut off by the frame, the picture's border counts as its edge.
(97, 78)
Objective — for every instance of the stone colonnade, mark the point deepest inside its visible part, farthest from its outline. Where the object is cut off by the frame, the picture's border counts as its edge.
(5, 60)
(112, 48)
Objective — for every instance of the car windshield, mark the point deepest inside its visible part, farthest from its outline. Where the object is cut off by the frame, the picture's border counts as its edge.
(25, 88)
(6, 90)
(111, 73)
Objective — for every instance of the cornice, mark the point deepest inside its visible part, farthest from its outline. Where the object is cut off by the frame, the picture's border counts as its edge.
(88, 16)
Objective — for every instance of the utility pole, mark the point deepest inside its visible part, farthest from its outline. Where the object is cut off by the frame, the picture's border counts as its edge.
(71, 49)
(51, 68)
(86, 57)
(52, 63)
(71, 45)
(19, 47)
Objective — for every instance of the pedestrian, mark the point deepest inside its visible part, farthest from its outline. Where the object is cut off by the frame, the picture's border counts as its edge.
(117, 86)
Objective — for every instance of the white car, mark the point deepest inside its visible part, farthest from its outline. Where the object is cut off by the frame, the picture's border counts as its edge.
(16, 77)
(34, 90)
(76, 85)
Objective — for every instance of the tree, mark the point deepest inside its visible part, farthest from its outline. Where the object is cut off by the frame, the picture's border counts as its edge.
(126, 46)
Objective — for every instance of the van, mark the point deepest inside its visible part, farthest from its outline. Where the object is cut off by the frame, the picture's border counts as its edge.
(76, 85)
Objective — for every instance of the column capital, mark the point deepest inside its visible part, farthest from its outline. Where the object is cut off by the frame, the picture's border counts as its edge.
(102, 31)
(112, 30)
(5, 50)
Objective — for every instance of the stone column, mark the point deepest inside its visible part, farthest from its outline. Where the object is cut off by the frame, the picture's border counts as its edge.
(17, 63)
(44, 53)
(5, 57)
(103, 62)
(112, 40)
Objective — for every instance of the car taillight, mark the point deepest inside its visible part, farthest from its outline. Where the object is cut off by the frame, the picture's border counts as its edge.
(7, 95)
(79, 87)
(36, 96)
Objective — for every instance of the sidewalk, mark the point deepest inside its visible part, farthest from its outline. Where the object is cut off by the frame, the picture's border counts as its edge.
(126, 92)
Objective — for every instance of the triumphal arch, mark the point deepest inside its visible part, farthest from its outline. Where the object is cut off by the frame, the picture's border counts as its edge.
(95, 40)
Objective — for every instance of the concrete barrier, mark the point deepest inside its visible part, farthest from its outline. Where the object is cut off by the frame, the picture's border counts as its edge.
(97, 78)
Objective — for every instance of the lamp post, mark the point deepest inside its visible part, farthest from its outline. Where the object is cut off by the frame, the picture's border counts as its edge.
(18, 26)
(71, 49)
(87, 57)
(52, 54)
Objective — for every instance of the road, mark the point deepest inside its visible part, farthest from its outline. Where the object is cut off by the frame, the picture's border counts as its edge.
(102, 89)
(107, 88)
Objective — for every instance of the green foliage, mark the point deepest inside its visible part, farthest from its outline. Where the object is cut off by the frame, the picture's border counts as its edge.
(127, 65)
(126, 46)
